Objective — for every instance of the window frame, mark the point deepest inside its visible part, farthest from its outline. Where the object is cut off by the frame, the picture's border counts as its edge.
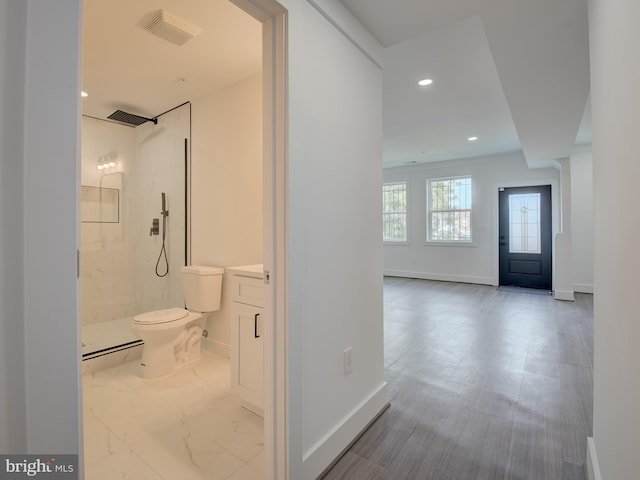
(405, 182)
(429, 213)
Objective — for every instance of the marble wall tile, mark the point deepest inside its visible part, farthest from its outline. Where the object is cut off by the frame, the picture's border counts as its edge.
(119, 259)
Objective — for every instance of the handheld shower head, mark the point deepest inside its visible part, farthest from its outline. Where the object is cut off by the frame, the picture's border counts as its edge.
(164, 211)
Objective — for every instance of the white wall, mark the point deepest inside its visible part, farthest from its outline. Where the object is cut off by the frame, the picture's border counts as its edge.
(478, 262)
(615, 75)
(334, 223)
(582, 220)
(226, 217)
(40, 123)
(13, 21)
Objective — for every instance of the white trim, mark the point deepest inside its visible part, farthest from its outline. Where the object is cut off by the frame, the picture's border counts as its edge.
(348, 25)
(592, 466)
(328, 448)
(582, 148)
(440, 277)
(275, 213)
(583, 288)
(276, 385)
(566, 295)
(216, 346)
(448, 243)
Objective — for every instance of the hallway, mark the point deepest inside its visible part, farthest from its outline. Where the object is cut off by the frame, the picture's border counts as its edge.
(484, 384)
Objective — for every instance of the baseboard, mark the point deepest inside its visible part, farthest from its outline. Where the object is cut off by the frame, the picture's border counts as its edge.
(583, 288)
(566, 295)
(439, 277)
(325, 452)
(216, 346)
(593, 469)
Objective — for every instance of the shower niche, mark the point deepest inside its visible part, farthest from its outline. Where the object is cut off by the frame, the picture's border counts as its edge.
(124, 270)
(99, 204)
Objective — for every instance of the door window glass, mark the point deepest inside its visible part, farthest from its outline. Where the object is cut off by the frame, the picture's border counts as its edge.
(524, 223)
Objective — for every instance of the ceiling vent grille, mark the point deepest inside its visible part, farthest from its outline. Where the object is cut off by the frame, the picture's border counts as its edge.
(172, 28)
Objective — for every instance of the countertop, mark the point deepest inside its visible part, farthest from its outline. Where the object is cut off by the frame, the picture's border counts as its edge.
(255, 271)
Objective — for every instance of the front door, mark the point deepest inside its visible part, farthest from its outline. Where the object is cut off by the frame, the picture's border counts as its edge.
(525, 236)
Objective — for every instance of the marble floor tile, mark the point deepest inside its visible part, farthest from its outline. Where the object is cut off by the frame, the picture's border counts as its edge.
(132, 419)
(99, 441)
(246, 473)
(232, 426)
(184, 425)
(181, 452)
(125, 465)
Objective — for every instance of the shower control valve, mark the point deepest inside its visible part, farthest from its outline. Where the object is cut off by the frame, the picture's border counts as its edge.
(155, 227)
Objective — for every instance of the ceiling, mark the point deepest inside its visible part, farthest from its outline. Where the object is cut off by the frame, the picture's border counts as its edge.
(128, 68)
(514, 73)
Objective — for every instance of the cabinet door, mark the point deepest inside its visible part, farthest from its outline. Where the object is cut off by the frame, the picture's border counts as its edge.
(248, 290)
(248, 357)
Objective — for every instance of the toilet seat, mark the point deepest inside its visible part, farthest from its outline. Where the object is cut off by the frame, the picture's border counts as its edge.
(160, 316)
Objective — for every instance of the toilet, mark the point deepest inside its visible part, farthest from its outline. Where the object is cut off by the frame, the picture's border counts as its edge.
(172, 335)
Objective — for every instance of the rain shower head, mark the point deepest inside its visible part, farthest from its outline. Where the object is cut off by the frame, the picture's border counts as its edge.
(130, 118)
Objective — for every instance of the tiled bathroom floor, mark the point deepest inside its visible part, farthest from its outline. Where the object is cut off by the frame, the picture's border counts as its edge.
(186, 425)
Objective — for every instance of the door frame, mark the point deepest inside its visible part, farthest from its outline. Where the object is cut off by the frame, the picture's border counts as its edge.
(273, 17)
(555, 221)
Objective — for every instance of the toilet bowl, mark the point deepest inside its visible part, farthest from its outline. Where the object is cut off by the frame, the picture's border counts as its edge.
(172, 335)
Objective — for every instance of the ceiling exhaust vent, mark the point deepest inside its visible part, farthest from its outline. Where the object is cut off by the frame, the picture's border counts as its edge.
(172, 28)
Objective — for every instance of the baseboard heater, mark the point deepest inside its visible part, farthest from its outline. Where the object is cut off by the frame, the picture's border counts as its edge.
(108, 350)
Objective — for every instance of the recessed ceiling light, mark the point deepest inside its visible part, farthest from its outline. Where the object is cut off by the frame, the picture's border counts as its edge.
(84, 94)
(425, 81)
(472, 139)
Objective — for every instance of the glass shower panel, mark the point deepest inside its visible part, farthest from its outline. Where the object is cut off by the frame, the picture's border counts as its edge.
(159, 168)
(118, 254)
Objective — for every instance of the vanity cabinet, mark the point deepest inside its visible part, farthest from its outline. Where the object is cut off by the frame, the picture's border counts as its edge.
(247, 328)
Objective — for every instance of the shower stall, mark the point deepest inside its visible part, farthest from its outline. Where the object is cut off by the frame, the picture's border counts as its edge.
(134, 231)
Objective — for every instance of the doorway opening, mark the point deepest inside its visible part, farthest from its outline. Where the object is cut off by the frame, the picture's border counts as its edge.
(272, 18)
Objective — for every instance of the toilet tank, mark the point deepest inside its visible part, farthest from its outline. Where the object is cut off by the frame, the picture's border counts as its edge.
(202, 287)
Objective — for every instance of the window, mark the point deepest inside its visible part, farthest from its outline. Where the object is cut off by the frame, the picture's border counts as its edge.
(449, 210)
(394, 212)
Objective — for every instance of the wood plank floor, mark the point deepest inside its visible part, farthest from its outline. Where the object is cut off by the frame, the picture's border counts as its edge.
(483, 384)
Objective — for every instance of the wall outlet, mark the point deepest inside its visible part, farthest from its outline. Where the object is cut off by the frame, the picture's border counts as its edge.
(347, 361)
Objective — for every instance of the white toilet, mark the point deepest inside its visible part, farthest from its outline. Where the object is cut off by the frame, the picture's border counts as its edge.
(172, 335)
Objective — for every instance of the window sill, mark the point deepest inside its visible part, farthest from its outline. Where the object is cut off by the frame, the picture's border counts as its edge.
(451, 244)
(399, 244)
